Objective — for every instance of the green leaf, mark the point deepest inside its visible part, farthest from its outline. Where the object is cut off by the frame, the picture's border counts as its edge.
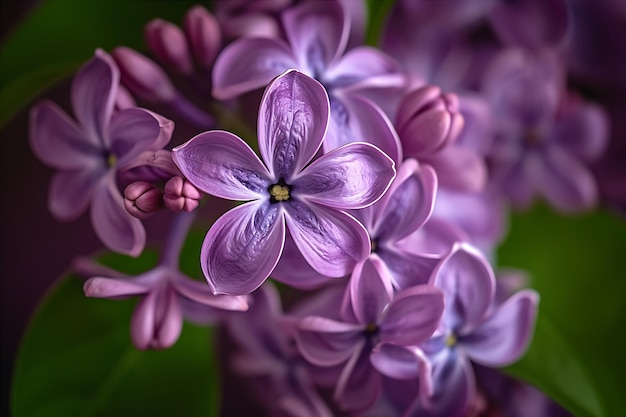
(76, 359)
(59, 35)
(377, 12)
(578, 266)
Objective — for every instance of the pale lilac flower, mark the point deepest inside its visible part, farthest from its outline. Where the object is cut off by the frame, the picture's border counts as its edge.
(377, 333)
(473, 330)
(242, 248)
(91, 153)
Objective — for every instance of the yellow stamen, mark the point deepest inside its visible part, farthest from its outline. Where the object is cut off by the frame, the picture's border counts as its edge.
(111, 160)
(280, 192)
(451, 340)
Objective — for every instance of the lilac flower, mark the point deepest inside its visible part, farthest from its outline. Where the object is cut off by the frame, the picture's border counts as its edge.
(242, 248)
(473, 330)
(167, 294)
(378, 332)
(91, 153)
(543, 142)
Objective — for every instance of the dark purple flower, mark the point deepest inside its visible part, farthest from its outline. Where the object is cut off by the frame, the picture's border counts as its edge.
(242, 248)
(91, 153)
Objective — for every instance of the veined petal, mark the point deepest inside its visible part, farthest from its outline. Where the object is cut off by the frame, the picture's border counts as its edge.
(135, 130)
(370, 290)
(408, 203)
(331, 241)
(358, 119)
(71, 191)
(242, 248)
(293, 118)
(248, 64)
(200, 292)
(115, 227)
(413, 316)
(57, 141)
(318, 33)
(408, 269)
(221, 164)
(365, 67)
(94, 90)
(468, 283)
(351, 177)
(326, 342)
(504, 336)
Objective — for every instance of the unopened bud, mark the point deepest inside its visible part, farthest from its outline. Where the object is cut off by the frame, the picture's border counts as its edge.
(204, 35)
(142, 199)
(181, 195)
(428, 121)
(143, 77)
(168, 43)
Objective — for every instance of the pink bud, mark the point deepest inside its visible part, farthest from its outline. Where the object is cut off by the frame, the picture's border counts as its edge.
(142, 199)
(181, 195)
(143, 77)
(203, 33)
(157, 320)
(168, 43)
(428, 121)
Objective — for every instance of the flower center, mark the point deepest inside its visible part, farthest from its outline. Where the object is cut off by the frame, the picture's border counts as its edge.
(279, 191)
(371, 329)
(533, 138)
(111, 160)
(373, 245)
(451, 340)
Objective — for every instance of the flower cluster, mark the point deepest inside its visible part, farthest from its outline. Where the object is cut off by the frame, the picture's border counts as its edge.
(379, 191)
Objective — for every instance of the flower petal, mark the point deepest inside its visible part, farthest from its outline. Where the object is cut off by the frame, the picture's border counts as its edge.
(365, 67)
(459, 168)
(57, 141)
(293, 118)
(504, 336)
(331, 241)
(359, 385)
(408, 269)
(248, 64)
(370, 290)
(317, 32)
(358, 119)
(408, 203)
(242, 248)
(94, 91)
(351, 177)
(115, 227)
(71, 191)
(400, 362)
(583, 131)
(468, 283)
(135, 130)
(221, 164)
(102, 287)
(158, 320)
(413, 316)
(200, 292)
(326, 342)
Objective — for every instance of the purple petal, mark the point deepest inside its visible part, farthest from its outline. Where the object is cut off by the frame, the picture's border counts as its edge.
(370, 290)
(459, 168)
(408, 203)
(408, 269)
(158, 320)
(221, 164)
(436, 237)
(317, 32)
(135, 130)
(242, 248)
(115, 227)
(326, 342)
(504, 336)
(516, 178)
(248, 64)
(454, 386)
(566, 183)
(468, 283)
(331, 241)
(351, 177)
(94, 91)
(400, 362)
(413, 316)
(200, 292)
(364, 67)
(71, 191)
(58, 141)
(293, 118)
(583, 131)
(359, 384)
(358, 119)
(101, 287)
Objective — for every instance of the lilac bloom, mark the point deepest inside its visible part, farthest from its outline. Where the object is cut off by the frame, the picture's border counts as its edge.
(473, 330)
(90, 153)
(317, 33)
(378, 333)
(244, 245)
(544, 141)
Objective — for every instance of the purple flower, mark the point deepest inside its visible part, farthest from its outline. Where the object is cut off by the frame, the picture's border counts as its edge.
(244, 245)
(473, 329)
(91, 153)
(377, 332)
